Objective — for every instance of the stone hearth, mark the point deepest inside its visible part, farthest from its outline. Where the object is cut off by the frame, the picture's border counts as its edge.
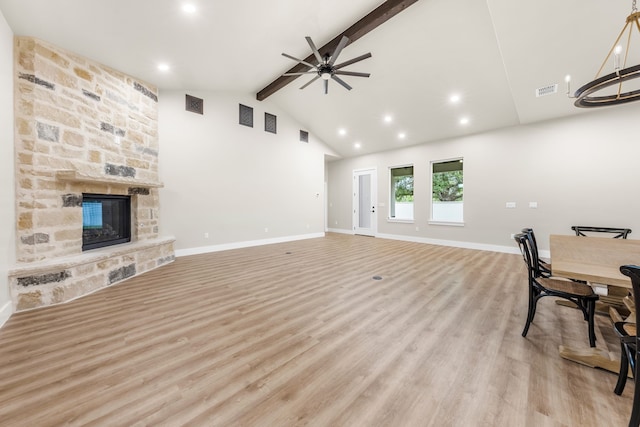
(80, 127)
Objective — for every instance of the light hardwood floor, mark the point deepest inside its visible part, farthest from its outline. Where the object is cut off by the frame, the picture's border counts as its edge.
(301, 334)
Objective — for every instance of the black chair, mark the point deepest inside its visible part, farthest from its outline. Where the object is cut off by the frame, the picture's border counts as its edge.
(629, 346)
(540, 286)
(628, 333)
(617, 232)
(545, 267)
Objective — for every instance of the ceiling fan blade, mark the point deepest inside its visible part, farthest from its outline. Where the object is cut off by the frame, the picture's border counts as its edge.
(351, 73)
(342, 82)
(343, 42)
(310, 81)
(326, 87)
(300, 74)
(352, 61)
(299, 60)
(314, 49)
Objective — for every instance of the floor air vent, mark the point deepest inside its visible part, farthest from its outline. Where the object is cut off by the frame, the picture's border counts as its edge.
(546, 90)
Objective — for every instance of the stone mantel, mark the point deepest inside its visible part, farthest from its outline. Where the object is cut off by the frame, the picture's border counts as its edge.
(76, 176)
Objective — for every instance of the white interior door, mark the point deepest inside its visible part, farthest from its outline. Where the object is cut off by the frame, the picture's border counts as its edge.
(364, 202)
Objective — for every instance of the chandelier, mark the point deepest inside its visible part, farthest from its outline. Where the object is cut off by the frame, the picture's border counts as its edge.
(593, 94)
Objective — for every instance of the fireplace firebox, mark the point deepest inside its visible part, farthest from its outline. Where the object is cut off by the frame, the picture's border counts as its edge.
(106, 220)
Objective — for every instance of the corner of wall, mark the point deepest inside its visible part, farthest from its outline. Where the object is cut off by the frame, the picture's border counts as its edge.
(7, 176)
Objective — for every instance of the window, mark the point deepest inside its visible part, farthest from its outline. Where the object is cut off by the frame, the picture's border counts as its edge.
(447, 191)
(401, 203)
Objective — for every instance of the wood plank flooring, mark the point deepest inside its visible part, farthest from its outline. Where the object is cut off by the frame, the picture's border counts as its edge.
(301, 334)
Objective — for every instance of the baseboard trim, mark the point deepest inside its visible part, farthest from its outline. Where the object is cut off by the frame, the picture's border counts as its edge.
(340, 231)
(454, 243)
(415, 239)
(246, 244)
(5, 312)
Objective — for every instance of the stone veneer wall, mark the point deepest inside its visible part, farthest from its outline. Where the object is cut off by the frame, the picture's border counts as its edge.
(80, 127)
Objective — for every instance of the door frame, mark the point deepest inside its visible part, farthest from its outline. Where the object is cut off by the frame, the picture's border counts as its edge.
(374, 202)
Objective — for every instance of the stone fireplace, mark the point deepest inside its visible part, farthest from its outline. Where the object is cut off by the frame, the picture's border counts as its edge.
(80, 128)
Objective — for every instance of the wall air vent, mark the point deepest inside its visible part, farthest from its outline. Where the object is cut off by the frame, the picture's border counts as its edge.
(270, 123)
(193, 104)
(304, 136)
(246, 116)
(547, 90)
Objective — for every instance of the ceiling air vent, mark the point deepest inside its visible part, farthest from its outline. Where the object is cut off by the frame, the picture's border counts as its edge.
(547, 90)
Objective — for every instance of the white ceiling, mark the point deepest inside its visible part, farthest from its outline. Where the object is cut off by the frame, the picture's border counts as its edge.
(494, 53)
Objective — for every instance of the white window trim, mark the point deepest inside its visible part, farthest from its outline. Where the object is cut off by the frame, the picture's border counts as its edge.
(451, 224)
(401, 221)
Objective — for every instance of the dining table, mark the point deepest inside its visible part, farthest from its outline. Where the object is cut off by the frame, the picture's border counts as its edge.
(597, 261)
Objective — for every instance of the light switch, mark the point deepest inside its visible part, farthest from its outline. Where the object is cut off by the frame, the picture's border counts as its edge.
(533, 205)
(511, 205)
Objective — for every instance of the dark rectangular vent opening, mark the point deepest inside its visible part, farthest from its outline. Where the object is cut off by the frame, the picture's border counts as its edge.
(270, 124)
(106, 220)
(304, 136)
(246, 116)
(193, 104)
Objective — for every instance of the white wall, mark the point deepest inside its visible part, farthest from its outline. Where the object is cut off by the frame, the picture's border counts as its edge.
(581, 170)
(233, 181)
(7, 182)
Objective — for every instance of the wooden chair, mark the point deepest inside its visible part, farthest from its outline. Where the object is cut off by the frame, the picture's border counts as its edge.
(580, 294)
(545, 267)
(617, 232)
(629, 346)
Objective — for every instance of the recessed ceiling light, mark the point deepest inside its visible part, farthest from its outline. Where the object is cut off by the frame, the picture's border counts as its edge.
(464, 121)
(163, 67)
(342, 132)
(402, 135)
(357, 145)
(455, 98)
(189, 8)
(387, 119)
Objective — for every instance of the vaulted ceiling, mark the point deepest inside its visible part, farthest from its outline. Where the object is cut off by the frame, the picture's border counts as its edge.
(494, 54)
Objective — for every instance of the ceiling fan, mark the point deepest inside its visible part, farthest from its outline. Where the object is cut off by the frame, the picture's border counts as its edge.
(326, 68)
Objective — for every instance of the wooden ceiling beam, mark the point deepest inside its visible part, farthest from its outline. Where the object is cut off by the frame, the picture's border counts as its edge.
(374, 19)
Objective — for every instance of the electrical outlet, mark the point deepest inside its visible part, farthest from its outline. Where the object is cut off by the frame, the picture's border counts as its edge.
(266, 230)
(206, 235)
(513, 235)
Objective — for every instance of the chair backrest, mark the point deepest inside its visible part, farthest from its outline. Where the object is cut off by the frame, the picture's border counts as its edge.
(525, 244)
(532, 236)
(617, 232)
(529, 231)
(633, 271)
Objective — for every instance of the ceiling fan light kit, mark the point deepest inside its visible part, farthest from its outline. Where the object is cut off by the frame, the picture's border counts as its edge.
(586, 96)
(326, 67)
